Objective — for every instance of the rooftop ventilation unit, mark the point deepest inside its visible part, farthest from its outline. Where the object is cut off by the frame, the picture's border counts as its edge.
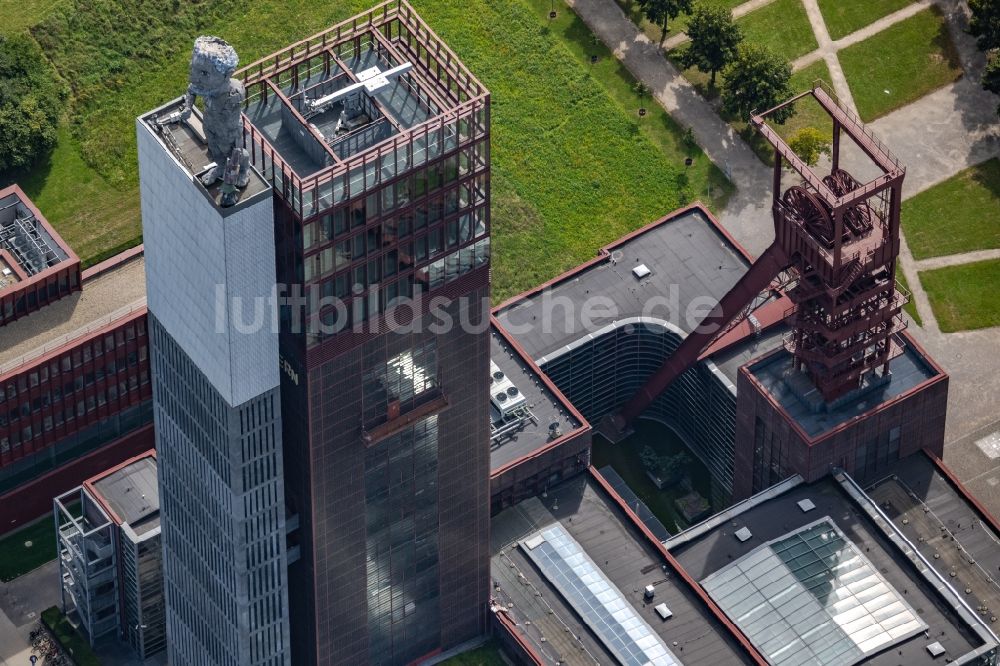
(503, 394)
(806, 505)
(743, 534)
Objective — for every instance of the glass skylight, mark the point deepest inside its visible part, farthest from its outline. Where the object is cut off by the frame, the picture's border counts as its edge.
(596, 599)
(811, 597)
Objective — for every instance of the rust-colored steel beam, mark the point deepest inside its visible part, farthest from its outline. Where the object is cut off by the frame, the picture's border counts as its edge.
(757, 279)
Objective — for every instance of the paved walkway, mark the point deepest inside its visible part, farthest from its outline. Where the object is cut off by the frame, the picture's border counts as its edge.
(751, 202)
(956, 259)
(854, 37)
(829, 53)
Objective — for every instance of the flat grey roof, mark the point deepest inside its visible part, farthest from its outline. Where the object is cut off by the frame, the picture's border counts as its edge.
(544, 405)
(940, 521)
(729, 361)
(693, 634)
(186, 141)
(687, 257)
(907, 371)
(133, 494)
(101, 299)
(715, 548)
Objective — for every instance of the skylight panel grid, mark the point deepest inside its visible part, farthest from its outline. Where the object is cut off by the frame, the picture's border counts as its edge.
(596, 599)
(811, 597)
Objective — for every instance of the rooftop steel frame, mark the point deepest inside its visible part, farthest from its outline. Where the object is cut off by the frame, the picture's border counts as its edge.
(438, 80)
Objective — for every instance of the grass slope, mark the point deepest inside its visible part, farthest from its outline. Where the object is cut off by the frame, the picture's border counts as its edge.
(573, 165)
(908, 59)
(842, 17)
(18, 15)
(958, 215)
(17, 559)
(69, 638)
(964, 297)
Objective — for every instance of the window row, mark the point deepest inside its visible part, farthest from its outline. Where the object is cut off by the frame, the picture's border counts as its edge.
(386, 255)
(82, 354)
(57, 418)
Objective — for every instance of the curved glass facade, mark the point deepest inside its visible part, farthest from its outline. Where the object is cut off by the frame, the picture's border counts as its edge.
(601, 372)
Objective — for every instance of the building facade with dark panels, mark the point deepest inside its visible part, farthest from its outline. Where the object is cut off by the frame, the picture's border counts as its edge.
(110, 561)
(36, 266)
(74, 375)
(385, 432)
(782, 429)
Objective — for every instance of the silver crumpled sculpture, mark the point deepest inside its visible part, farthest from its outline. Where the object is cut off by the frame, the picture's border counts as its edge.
(213, 63)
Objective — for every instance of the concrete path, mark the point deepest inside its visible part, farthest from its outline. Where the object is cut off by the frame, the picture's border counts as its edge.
(829, 54)
(749, 207)
(956, 259)
(860, 35)
(22, 601)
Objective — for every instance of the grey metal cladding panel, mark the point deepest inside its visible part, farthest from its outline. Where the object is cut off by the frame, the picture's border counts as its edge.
(196, 260)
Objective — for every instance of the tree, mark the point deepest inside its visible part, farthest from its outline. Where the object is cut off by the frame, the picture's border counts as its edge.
(809, 143)
(660, 11)
(714, 39)
(991, 75)
(985, 27)
(31, 102)
(756, 81)
(985, 23)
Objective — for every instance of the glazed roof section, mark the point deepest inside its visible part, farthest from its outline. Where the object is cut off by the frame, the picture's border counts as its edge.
(691, 263)
(714, 545)
(628, 560)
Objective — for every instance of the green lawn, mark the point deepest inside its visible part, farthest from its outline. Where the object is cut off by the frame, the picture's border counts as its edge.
(485, 655)
(782, 25)
(959, 215)
(72, 642)
(574, 165)
(16, 558)
(964, 297)
(624, 458)
(808, 113)
(20, 14)
(843, 17)
(911, 305)
(900, 64)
